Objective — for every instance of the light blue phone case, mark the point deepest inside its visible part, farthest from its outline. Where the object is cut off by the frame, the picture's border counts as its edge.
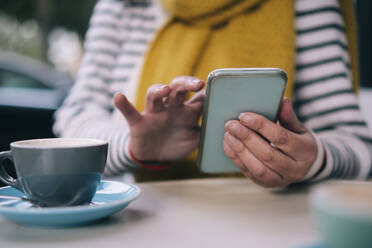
(229, 93)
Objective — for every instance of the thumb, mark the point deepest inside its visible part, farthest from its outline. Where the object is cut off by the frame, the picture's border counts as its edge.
(288, 119)
(127, 109)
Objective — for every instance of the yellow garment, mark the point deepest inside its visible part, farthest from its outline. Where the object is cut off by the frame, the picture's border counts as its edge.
(347, 9)
(218, 34)
(201, 36)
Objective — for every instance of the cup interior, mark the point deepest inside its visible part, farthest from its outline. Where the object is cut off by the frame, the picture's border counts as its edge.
(57, 143)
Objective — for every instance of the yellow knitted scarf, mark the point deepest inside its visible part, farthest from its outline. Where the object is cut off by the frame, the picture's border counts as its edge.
(202, 35)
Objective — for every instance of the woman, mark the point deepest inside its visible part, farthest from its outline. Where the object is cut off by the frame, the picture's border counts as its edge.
(142, 49)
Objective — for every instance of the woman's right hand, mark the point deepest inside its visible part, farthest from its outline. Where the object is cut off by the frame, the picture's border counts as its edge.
(168, 128)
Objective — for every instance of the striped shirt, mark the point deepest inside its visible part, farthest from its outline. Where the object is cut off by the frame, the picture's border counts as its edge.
(120, 33)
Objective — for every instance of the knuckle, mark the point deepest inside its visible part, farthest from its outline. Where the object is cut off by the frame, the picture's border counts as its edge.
(258, 123)
(237, 129)
(267, 155)
(235, 144)
(151, 90)
(179, 80)
(261, 172)
(246, 135)
(281, 138)
(239, 148)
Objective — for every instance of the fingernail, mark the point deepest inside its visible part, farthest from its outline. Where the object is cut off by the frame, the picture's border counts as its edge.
(246, 119)
(227, 124)
(234, 128)
(161, 88)
(195, 81)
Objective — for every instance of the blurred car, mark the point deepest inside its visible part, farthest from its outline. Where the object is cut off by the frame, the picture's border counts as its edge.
(30, 92)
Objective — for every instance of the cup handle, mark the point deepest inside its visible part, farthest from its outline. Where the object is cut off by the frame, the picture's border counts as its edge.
(4, 176)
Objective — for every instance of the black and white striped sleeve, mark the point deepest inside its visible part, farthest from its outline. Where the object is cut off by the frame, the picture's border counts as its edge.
(324, 99)
(87, 111)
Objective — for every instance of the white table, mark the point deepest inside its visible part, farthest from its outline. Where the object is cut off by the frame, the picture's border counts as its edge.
(191, 213)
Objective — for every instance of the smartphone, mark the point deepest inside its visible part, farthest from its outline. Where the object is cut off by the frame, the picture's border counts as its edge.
(229, 92)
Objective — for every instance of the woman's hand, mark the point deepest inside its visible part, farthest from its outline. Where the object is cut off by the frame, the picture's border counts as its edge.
(168, 127)
(272, 155)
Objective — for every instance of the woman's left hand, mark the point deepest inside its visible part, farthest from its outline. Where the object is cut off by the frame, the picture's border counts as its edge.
(270, 154)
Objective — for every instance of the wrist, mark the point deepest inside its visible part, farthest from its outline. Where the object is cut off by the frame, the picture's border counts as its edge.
(151, 165)
(323, 165)
(319, 163)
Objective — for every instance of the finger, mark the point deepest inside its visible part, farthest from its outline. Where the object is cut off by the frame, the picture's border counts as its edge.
(262, 174)
(283, 139)
(268, 184)
(236, 161)
(247, 174)
(198, 97)
(127, 109)
(283, 165)
(180, 86)
(230, 154)
(288, 118)
(195, 103)
(154, 97)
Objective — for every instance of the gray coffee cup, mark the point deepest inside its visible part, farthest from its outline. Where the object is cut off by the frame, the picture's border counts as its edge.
(56, 172)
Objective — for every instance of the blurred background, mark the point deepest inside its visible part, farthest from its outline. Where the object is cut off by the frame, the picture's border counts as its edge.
(41, 44)
(40, 50)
